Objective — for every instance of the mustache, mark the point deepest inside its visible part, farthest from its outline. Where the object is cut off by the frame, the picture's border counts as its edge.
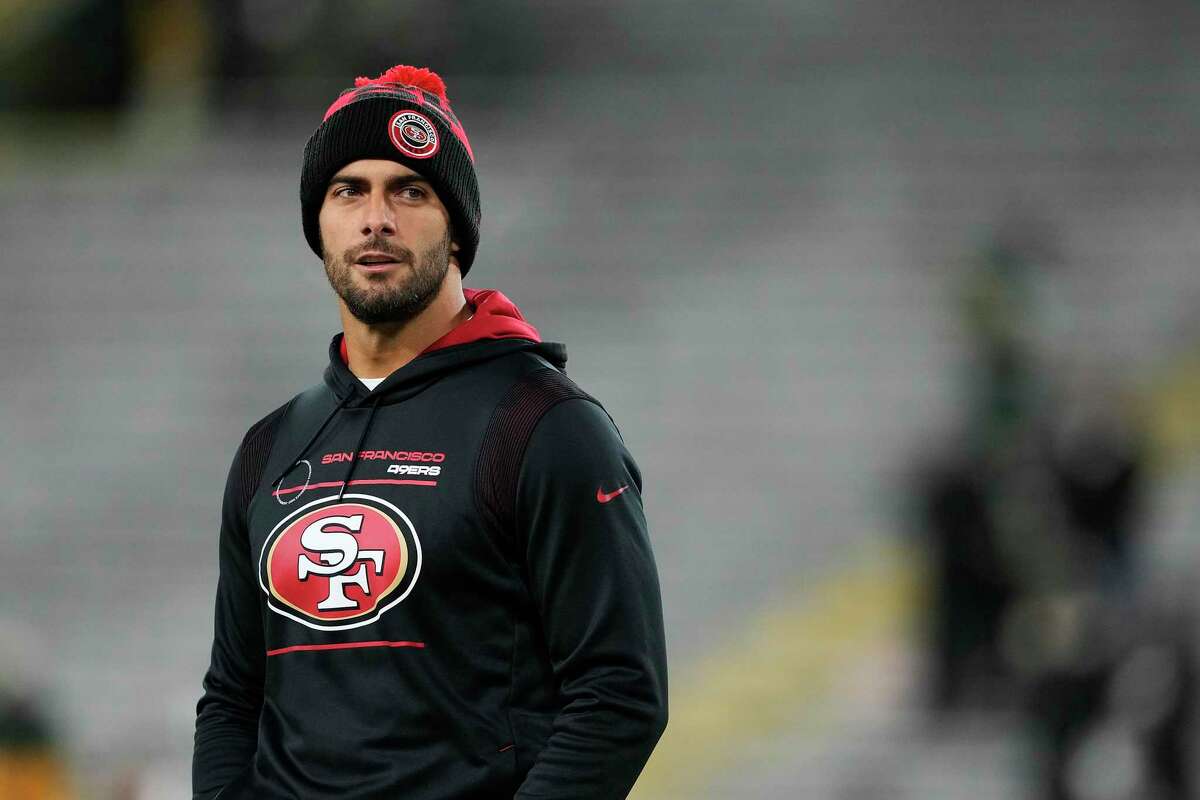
(397, 252)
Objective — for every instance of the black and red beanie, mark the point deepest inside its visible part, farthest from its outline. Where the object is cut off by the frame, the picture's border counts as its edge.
(404, 116)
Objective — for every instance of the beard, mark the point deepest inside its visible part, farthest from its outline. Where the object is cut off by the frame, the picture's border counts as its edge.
(392, 297)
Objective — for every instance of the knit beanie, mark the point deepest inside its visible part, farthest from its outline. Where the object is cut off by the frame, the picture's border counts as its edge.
(404, 116)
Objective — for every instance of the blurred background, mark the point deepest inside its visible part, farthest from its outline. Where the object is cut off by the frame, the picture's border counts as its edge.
(896, 304)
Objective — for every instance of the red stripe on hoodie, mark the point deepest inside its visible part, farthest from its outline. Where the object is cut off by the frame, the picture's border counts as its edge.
(496, 317)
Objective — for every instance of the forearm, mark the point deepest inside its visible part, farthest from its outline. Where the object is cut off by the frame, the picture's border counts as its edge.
(596, 754)
(225, 743)
(227, 714)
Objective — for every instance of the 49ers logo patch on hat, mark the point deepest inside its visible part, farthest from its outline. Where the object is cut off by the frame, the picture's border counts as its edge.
(413, 134)
(335, 565)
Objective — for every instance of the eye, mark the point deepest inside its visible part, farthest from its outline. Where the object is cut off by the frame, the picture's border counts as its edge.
(412, 192)
(344, 191)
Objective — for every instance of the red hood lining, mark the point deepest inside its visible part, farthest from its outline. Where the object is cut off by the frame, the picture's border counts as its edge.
(496, 317)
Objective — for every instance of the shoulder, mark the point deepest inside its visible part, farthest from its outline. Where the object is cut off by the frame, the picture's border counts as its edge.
(531, 397)
(314, 401)
(251, 457)
(250, 460)
(265, 428)
(540, 404)
(545, 413)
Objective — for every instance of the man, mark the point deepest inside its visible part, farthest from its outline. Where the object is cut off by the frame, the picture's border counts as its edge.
(435, 578)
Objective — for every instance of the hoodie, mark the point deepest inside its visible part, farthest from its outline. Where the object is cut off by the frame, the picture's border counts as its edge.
(439, 589)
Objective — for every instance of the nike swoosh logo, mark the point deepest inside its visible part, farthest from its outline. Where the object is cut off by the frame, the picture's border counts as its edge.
(604, 497)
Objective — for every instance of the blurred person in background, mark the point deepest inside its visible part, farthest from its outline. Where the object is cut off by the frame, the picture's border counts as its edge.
(435, 574)
(1033, 522)
(965, 491)
(32, 763)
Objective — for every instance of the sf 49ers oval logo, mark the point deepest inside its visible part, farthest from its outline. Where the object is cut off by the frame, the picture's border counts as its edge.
(413, 134)
(333, 565)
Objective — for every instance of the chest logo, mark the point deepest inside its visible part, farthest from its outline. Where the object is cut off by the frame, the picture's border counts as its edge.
(334, 565)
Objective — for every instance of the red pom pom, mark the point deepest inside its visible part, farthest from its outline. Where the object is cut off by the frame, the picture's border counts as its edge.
(409, 76)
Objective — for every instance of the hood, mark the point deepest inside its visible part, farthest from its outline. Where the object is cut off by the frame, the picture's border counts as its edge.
(496, 328)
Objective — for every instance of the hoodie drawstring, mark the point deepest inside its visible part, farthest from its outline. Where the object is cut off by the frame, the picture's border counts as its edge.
(354, 455)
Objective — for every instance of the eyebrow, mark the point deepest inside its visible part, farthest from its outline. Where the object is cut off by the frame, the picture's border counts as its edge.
(358, 182)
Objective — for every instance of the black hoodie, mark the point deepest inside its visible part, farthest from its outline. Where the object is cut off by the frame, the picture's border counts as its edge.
(441, 589)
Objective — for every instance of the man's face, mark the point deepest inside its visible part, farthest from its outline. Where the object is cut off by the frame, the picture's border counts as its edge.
(386, 237)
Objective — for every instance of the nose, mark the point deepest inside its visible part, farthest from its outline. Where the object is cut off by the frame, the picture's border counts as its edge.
(378, 218)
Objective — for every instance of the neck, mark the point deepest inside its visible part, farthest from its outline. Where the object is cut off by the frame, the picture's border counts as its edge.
(376, 351)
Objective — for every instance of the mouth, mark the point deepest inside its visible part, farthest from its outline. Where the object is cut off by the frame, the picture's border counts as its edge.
(376, 262)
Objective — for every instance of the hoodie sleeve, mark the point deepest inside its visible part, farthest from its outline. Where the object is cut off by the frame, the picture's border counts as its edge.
(593, 579)
(227, 713)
